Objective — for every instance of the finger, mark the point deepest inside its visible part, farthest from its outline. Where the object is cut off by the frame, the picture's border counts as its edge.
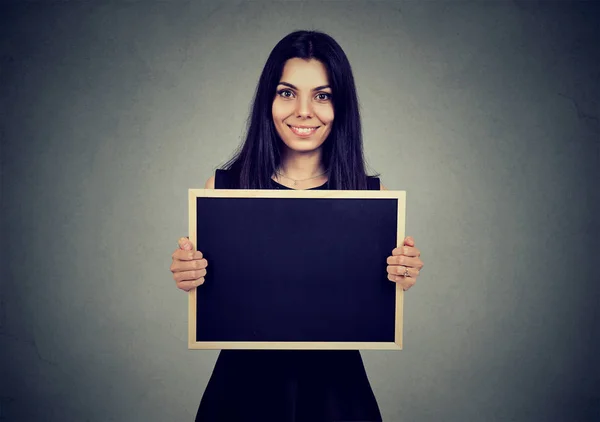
(180, 266)
(188, 275)
(405, 282)
(409, 241)
(185, 255)
(185, 244)
(191, 284)
(406, 250)
(401, 270)
(407, 261)
(411, 251)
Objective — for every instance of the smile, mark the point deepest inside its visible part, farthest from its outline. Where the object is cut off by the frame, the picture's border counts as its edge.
(303, 131)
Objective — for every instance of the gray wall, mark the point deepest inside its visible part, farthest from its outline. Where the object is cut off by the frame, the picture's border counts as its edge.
(486, 113)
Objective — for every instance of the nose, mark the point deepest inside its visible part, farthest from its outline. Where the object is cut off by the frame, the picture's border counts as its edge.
(304, 107)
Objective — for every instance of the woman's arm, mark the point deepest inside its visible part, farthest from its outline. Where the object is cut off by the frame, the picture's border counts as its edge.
(189, 266)
(404, 265)
(210, 183)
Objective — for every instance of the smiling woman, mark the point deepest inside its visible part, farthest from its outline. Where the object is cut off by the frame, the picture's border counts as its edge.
(304, 133)
(305, 125)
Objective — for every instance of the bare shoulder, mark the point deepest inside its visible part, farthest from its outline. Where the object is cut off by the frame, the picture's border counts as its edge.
(210, 183)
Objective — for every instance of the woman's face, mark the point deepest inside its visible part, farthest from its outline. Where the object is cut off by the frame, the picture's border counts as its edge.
(302, 108)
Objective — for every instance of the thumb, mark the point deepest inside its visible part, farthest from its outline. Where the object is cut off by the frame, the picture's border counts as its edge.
(185, 244)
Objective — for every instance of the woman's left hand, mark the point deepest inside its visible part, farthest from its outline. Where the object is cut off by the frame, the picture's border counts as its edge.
(405, 264)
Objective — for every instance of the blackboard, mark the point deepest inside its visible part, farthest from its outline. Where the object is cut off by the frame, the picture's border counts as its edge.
(296, 269)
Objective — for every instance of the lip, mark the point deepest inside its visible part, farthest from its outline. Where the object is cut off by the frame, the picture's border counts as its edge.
(303, 135)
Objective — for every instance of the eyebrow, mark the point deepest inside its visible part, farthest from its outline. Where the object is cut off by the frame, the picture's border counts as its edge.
(314, 89)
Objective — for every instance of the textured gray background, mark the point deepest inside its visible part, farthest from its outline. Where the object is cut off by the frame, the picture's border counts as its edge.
(487, 113)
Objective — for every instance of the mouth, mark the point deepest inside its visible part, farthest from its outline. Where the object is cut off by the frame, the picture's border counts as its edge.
(303, 131)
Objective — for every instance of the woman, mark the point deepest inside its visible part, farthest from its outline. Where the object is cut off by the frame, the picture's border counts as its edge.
(304, 133)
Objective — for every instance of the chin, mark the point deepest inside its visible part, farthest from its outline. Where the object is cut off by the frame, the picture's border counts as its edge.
(300, 145)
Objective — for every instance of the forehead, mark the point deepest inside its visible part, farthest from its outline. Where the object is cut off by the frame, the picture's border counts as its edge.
(304, 73)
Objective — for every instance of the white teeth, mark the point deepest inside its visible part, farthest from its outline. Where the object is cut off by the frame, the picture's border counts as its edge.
(303, 130)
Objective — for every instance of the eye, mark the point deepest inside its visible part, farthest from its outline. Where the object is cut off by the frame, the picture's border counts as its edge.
(285, 93)
(323, 96)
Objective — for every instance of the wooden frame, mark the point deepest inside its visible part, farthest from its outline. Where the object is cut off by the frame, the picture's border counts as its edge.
(400, 196)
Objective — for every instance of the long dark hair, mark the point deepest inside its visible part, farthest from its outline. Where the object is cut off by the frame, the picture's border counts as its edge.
(342, 152)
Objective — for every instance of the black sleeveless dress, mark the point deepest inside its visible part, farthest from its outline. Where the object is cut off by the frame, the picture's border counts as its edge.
(288, 385)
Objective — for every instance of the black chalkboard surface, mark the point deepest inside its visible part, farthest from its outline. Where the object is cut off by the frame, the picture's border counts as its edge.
(296, 269)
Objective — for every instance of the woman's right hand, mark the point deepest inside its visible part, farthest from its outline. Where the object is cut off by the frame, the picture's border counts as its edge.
(189, 266)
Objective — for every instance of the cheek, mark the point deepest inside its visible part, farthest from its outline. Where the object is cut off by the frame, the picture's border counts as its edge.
(281, 110)
(326, 115)
(274, 112)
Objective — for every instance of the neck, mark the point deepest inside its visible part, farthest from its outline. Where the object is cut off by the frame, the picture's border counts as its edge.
(301, 165)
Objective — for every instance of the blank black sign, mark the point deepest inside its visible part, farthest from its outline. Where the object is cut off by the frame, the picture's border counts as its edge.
(296, 269)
